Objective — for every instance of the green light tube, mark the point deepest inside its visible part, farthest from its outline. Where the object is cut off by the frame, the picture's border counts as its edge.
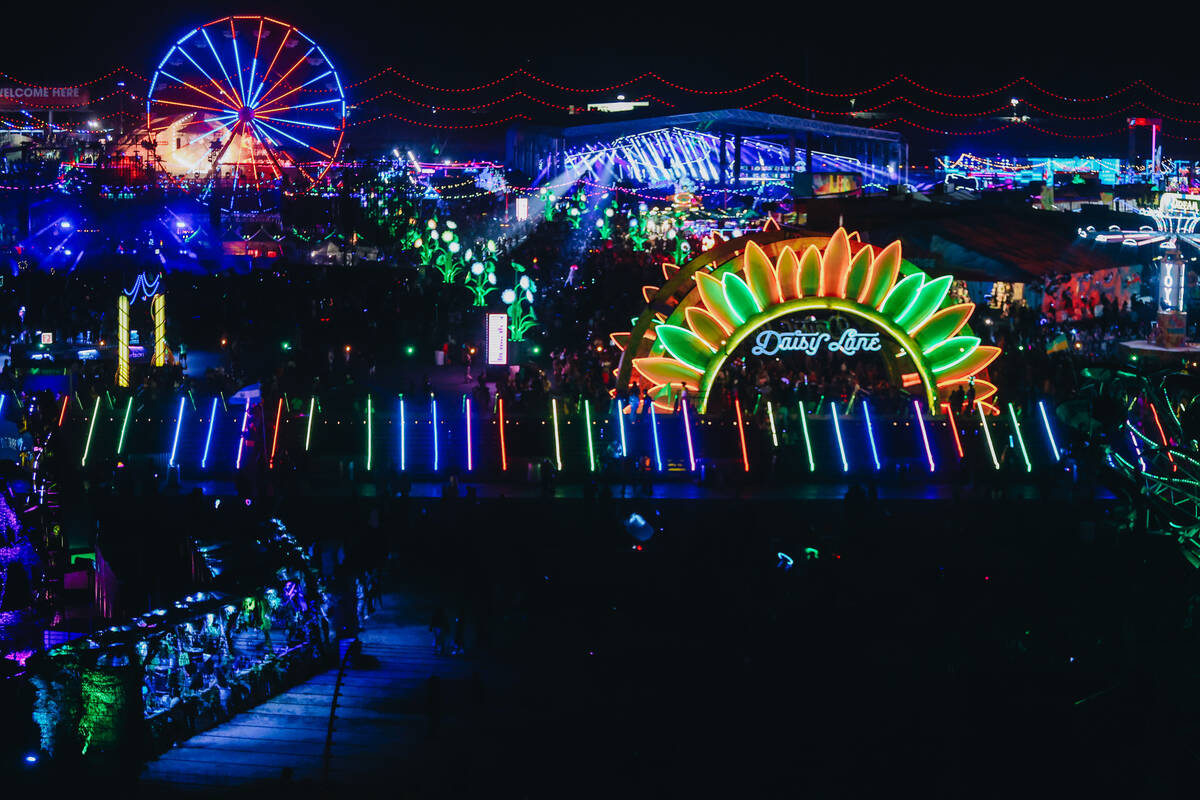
(987, 434)
(587, 411)
(812, 465)
(1020, 439)
(91, 427)
(124, 426)
(312, 403)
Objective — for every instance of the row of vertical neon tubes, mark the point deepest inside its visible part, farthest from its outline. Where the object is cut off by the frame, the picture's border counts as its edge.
(686, 415)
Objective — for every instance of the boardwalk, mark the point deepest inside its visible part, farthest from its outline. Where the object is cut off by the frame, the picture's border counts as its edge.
(381, 719)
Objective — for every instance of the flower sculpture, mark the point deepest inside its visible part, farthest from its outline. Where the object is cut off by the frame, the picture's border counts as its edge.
(729, 304)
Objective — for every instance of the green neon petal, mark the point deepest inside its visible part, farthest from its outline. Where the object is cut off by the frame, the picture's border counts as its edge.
(951, 352)
(883, 276)
(810, 272)
(941, 325)
(860, 270)
(740, 298)
(760, 276)
(902, 296)
(713, 294)
(931, 296)
(706, 326)
(685, 345)
(971, 365)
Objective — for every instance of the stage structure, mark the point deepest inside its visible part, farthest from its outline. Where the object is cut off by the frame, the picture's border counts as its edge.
(245, 107)
(142, 288)
(734, 149)
(1175, 222)
(778, 291)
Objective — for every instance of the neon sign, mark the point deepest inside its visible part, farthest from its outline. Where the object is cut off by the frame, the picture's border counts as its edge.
(769, 342)
(735, 291)
(1171, 283)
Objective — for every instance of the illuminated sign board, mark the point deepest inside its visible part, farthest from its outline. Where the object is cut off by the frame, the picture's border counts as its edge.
(497, 338)
(1170, 284)
(47, 337)
(17, 96)
(1179, 204)
(827, 184)
(770, 342)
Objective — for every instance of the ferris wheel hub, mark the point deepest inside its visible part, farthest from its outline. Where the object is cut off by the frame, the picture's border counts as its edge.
(245, 114)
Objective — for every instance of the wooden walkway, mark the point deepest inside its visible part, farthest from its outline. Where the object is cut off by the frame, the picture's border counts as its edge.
(381, 720)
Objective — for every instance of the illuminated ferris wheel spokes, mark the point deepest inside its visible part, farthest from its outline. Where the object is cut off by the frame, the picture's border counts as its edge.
(246, 106)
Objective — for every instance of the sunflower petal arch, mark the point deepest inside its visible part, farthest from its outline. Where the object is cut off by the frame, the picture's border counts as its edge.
(730, 294)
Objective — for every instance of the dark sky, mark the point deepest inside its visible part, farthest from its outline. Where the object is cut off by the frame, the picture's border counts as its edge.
(845, 46)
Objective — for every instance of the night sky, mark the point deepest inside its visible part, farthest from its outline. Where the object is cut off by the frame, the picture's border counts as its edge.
(599, 43)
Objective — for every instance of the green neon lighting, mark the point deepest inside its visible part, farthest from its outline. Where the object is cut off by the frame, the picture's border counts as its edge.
(369, 433)
(987, 434)
(771, 416)
(587, 411)
(91, 427)
(853, 308)
(557, 443)
(1020, 439)
(812, 465)
(838, 430)
(124, 426)
(312, 407)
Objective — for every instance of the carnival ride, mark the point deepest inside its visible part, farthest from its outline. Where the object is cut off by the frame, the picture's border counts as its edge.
(243, 108)
(1143, 428)
(1175, 222)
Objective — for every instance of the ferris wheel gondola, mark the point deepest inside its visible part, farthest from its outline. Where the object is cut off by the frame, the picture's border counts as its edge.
(243, 108)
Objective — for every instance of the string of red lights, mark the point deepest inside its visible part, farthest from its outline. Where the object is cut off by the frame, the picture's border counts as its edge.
(520, 72)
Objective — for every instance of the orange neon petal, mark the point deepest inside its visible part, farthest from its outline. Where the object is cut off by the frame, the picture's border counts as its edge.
(787, 267)
(834, 264)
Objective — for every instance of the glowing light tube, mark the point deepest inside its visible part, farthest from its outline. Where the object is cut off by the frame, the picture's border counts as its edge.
(1012, 411)
(871, 436)
(1137, 450)
(242, 439)
(812, 465)
(687, 429)
(557, 444)
(621, 427)
(275, 434)
(837, 428)
(470, 455)
(587, 414)
(503, 448)
(1163, 435)
(737, 404)
(212, 418)
(63, 414)
(178, 425)
(433, 412)
(124, 426)
(91, 427)
(1049, 432)
(369, 437)
(122, 340)
(771, 417)
(403, 438)
(654, 434)
(954, 430)
(3, 397)
(987, 434)
(924, 434)
(312, 407)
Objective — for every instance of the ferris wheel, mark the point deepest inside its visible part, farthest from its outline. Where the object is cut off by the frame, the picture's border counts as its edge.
(243, 108)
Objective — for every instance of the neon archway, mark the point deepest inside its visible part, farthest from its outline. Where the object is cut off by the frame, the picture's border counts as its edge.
(709, 306)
